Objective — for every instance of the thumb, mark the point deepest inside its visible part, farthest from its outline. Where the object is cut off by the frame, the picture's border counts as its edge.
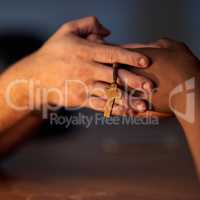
(85, 27)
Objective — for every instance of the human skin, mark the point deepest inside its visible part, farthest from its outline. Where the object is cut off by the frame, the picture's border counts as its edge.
(74, 52)
(174, 64)
(70, 54)
(180, 65)
(16, 135)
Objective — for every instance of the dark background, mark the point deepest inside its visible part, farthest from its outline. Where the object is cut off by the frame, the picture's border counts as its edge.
(25, 24)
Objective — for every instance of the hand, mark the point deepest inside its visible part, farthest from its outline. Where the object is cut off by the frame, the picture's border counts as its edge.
(72, 54)
(172, 64)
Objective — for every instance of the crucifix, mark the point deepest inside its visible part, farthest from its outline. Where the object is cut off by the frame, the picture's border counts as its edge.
(111, 93)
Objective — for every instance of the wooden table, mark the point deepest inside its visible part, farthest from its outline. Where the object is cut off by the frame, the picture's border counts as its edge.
(60, 168)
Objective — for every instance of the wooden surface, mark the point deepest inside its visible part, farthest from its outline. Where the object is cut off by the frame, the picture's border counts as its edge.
(60, 169)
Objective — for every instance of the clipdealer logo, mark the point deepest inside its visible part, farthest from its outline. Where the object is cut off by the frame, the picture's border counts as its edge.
(98, 119)
(187, 88)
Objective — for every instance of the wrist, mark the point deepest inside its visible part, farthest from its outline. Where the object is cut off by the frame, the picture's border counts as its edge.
(21, 83)
(185, 104)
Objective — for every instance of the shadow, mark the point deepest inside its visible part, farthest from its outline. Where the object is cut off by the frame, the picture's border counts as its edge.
(15, 45)
(159, 19)
(5, 180)
(61, 129)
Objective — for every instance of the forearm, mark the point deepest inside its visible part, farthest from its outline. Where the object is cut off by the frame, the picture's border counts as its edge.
(14, 93)
(17, 134)
(16, 124)
(192, 129)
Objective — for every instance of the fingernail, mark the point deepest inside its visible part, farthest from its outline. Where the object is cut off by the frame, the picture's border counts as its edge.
(140, 106)
(147, 86)
(143, 62)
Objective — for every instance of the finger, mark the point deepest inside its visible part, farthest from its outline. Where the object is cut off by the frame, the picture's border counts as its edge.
(160, 115)
(166, 42)
(135, 81)
(140, 45)
(99, 104)
(99, 89)
(162, 43)
(127, 79)
(85, 26)
(113, 54)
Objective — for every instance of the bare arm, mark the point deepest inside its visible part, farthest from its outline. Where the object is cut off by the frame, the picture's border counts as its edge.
(16, 135)
(176, 72)
(192, 130)
(69, 55)
(14, 95)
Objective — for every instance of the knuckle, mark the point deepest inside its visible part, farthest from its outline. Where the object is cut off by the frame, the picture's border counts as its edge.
(133, 59)
(109, 53)
(164, 42)
(158, 44)
(93, 19)
(65, 25)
